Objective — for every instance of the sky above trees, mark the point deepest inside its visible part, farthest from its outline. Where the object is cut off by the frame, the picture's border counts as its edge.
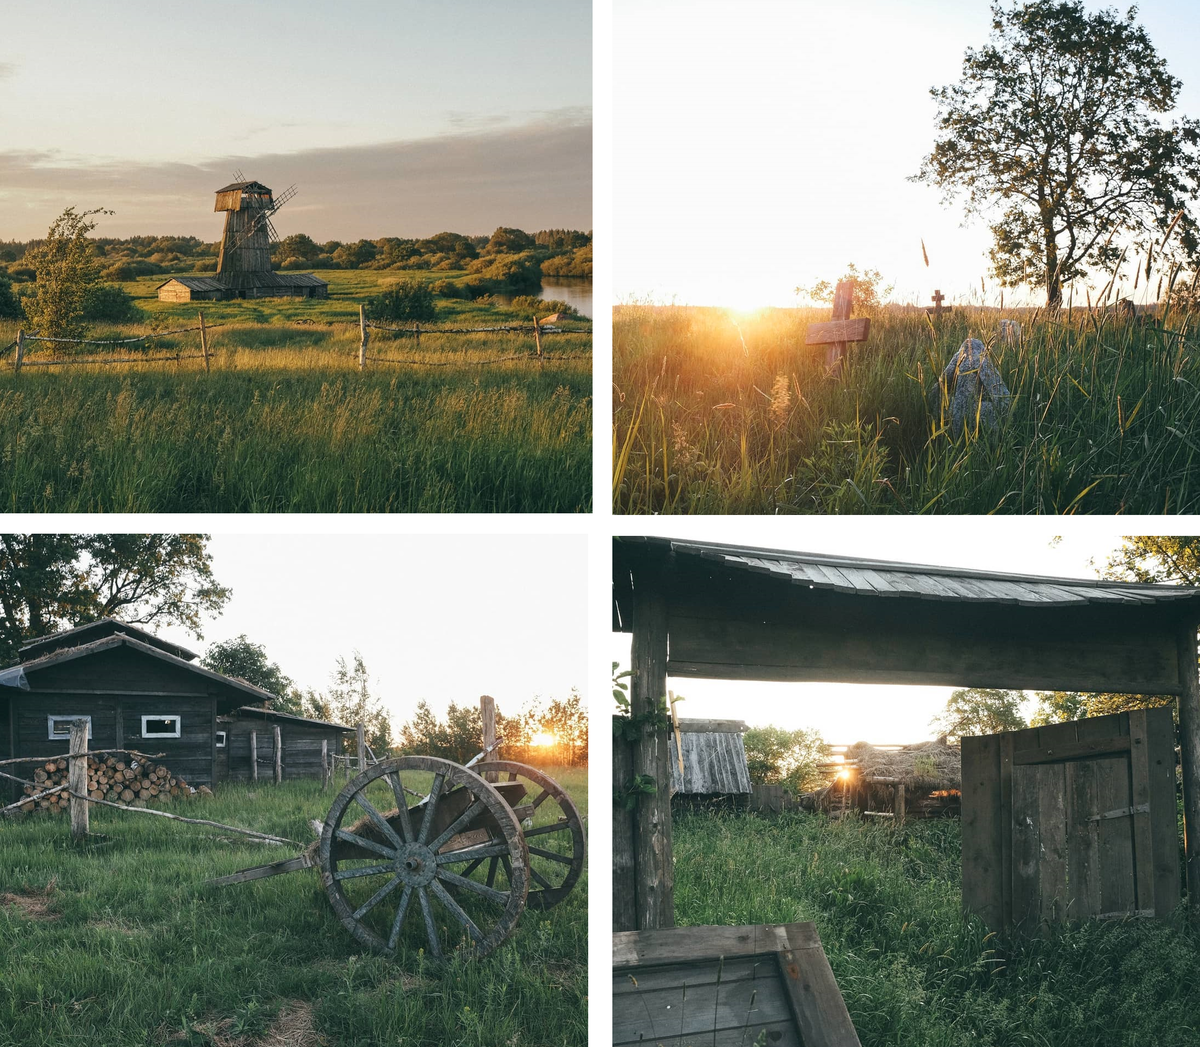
(395, 118)
(770, 144)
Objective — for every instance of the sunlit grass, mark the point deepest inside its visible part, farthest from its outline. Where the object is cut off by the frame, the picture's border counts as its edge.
(718, 411)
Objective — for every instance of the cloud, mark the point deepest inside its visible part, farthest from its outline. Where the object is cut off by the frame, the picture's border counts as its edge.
(534, 175)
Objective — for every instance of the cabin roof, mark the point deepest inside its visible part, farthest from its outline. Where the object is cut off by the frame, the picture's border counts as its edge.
(273, 714)
(232, 187)
(884, 578)
(714, 758)
(196, 283)
(14, 675)
(102, 627)
(245, 280)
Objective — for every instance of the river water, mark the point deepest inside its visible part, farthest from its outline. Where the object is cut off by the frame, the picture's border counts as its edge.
(576, 292)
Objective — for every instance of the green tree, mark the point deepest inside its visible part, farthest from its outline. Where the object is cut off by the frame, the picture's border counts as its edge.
(1057, 124)
(424, 734)
(298, 245)
(10, 305)
(350, 700)
(244, 658)
(509, 241)
(67, 276)
(406, 300)
(50, 582)
(867, 291)
(979, 710)
(777, 756)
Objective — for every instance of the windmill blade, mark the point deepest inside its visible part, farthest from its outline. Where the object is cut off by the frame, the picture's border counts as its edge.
(271, 229)
(238, 176)
(278, 201)
(250, 230)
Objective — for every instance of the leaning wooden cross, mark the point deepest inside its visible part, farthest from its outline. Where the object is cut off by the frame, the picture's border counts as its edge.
(841, 330)
(937, 308)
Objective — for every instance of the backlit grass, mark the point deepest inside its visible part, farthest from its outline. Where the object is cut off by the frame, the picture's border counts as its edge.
(716, 412)
(134, 949)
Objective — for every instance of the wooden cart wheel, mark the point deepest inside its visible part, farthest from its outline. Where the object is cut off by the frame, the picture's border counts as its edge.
(405, 874)
(553, 831)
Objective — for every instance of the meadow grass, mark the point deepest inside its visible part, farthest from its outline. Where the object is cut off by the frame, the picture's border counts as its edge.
(286, 422)
(913, 970)
(134, 948)
(716, 412)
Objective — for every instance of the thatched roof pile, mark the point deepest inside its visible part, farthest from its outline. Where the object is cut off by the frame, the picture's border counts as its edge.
(923, 766)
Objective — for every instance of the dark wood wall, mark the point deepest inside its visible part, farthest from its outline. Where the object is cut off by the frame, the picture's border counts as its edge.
(301, 749)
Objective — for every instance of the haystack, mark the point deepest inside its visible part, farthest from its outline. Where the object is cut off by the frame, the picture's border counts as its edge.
(930, 771)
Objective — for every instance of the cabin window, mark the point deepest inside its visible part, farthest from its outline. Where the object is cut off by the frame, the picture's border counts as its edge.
(160, 726)
(60, 726)
(220, 739)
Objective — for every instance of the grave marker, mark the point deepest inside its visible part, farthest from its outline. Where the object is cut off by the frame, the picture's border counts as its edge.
(937, 308)
(841, 330)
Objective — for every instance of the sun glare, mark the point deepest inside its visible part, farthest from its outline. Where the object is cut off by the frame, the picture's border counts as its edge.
(543, 738)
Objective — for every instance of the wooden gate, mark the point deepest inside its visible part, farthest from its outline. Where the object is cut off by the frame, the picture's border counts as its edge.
(1071, 821)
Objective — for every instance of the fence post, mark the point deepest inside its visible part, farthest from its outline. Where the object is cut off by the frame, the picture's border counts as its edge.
(324, 763)
(362, 748)
(20, 357)
(77, 779)
(487, 714)
(537, 335)
(362, 345)
(254, 755)
(204, 342)
(278, 756)
(417, 333)
(898, 807)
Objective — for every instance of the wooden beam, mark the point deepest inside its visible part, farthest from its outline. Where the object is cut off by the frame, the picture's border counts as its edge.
(1189, 755)
(487, 716)
(77, 779)
(624, 879)
(653, 863)
(324, 763)
(254, 756)
(362, 344)
(278, 754)
(855, 329)
(361, 733)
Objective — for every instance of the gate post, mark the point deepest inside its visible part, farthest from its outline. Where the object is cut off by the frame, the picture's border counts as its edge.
(1189, 755)
(77, 780)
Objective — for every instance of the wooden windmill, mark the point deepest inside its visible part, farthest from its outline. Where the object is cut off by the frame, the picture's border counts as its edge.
(246, 242)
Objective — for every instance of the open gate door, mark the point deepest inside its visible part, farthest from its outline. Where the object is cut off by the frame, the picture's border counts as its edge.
(1071, 821)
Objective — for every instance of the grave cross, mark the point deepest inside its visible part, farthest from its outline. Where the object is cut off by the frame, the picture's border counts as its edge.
(937, 308)
(841, 330)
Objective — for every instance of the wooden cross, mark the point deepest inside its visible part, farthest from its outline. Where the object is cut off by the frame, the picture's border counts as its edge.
(842, 330)
(937, 308)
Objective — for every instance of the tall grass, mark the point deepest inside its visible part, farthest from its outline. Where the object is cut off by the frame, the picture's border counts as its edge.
(136, 949)
(718, 413)
(915, 972)
(285, 422)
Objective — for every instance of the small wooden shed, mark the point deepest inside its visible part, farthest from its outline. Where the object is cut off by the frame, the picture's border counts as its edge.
(714, 759)
(250, 731)
(191, 289)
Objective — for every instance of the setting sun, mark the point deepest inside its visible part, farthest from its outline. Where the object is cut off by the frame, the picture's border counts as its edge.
(543, 738)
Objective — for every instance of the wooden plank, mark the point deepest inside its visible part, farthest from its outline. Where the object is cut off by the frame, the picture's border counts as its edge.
(77, 779)
(624, 888)
(1026, 847)
(1053, 888)
(724, 969)
(712, 726)
(1060, 753)
(1189, 754)
(981, 828)
(816, 1000)
(1005, 818)
(1140, 816)
(1115, 849)
(855, 329)
(683, 944)
(1164, 826)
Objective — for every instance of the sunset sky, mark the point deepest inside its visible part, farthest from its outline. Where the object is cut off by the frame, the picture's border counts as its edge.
(437, 617)
(763, 145)
(847, 713)
(394, 118)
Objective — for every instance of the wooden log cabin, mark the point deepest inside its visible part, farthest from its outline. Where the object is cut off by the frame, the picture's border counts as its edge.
(141, 692)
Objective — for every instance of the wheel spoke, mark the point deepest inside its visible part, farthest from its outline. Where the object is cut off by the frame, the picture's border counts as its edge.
(484, 850)
(435, 946)
(362, 801)
(430, 805)
(554, 856)
(491, 876)
(541, 830)
(393, 780)
(364, 870)
(456, 910)
(394, 937)
(358, 841)
(540, 879)
(456, 826)
(473, 866)
(542, 797)
(377, 897)
(499, 897)
(507, 861)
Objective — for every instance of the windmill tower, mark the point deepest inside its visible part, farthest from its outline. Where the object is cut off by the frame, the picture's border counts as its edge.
(246, 242)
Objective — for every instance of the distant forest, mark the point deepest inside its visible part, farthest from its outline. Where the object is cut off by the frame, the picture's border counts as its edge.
(508, 260)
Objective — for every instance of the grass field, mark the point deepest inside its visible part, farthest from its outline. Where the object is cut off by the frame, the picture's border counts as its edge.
(913, 971)
(286, 422)
(120, 943)
(716, 412)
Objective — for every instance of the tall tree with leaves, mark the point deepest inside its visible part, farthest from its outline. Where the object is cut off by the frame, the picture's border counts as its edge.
(1057, 125)
(50, 582)
(68, 276)
(351, 700)
(981, 710)
(247, 660)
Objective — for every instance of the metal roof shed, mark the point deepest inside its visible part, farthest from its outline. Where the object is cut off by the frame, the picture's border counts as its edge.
(741, 613)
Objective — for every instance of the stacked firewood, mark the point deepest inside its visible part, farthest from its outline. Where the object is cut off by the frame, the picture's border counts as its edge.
(136, 782)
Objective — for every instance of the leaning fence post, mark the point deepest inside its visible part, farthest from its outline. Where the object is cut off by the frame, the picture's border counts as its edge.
(204, 342)
(537, 335)
(77, 779)
(278, 757)
(417, 332)
(362, 345)
(487, 716)
(362, 748)
(324, 764)
(20, 357)
(254, 755)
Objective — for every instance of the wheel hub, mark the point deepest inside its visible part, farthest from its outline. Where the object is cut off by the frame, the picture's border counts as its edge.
(416, 865)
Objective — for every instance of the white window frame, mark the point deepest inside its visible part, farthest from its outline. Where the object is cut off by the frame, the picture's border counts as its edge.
(52, 720)
(162, 734)
(222, 739)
